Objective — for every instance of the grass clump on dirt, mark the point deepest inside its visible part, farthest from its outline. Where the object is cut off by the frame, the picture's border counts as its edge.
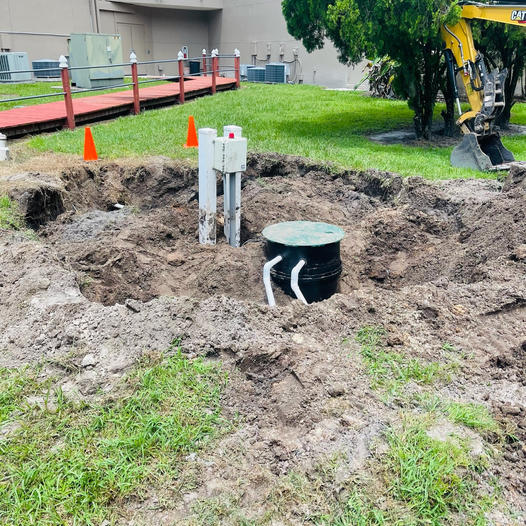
(424, 480)
(73, 462)
(10, 217)
(391, 370)
(431, 477)
(474, 416)
(323, 125)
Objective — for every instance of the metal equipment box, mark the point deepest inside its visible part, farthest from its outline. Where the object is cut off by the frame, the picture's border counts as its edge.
(45, 64)
(94, 49)
(243, 68)
(256, 74)
(276, 72)
(10, 63)
(230, 154)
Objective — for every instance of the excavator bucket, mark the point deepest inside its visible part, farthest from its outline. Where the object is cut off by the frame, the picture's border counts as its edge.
(485, 153)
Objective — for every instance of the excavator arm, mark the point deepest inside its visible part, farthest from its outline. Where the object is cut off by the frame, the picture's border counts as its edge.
(481, 148)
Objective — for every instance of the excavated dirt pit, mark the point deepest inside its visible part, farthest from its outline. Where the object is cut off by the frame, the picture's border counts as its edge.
(431, 263)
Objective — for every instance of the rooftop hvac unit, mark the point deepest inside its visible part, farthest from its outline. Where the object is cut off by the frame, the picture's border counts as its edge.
(243, 68)
(51, 68)
(10, 63)
(256, 74)
(276, 72)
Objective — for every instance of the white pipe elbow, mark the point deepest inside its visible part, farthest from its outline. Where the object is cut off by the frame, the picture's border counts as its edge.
(266, 279)
(294, 278)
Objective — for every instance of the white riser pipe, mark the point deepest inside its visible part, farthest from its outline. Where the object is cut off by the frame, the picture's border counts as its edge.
(4, 150)
(266, 279)
(294, 278)
(207, 187)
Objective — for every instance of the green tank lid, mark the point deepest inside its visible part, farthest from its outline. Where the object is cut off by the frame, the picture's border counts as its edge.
(303, 234)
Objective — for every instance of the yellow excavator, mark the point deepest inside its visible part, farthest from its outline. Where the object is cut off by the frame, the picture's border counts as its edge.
(481, 147)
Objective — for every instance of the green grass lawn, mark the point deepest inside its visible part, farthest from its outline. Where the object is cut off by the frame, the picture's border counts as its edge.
(67, 462)
(300, 120)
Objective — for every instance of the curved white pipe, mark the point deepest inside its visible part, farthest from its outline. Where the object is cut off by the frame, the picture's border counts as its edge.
(266, 279)
(294, 276)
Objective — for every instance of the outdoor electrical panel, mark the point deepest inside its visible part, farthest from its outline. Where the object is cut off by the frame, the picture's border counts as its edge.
(230, 155)
(95, 49)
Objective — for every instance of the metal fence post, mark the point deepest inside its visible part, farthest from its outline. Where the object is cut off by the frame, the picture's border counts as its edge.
(214, 70)
(70, 114)
(135, 80)
(204, 63)
(232, 196)
(180, 58)
(237, 60)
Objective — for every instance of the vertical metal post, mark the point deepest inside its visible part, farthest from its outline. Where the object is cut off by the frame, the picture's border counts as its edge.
(207, 187)
(214, 71)
(232, 196)
(180, 58)
(70, 114)
(204, 63)
(135, 80)
(237, 60)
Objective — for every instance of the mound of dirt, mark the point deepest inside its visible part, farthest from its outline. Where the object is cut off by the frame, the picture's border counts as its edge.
(432, 263)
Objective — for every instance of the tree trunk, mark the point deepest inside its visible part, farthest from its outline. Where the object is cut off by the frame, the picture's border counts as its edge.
(510, 86)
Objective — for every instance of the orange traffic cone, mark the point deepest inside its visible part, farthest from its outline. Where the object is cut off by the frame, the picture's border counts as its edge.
(90, 152)
(191, 137)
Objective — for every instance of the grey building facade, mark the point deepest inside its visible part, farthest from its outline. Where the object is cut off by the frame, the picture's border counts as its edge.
(158, 29)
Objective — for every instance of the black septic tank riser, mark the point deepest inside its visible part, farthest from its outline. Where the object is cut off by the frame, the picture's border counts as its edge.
(318, 279)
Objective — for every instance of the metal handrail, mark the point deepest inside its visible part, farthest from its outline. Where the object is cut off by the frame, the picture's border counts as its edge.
(126, 84)
(33, 97)
(119, 65)
(210, 67)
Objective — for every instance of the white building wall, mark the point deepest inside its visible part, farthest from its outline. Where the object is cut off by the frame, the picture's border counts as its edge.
(254, 25)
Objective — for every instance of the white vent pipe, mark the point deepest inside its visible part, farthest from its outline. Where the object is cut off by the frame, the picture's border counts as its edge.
(266, 279)
(294, 277)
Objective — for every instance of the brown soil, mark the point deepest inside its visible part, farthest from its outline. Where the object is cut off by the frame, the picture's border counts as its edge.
(432, 263)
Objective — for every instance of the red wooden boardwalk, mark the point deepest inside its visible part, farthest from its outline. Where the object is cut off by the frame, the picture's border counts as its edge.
(50, 116)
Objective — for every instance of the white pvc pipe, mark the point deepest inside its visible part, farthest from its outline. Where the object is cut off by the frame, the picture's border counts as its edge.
(294, 276)
(207, 187)
(4, 150)
(266, 279)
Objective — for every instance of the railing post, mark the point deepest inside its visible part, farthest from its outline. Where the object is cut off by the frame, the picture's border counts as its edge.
(214, 70)
(204, 63)
(237, 60)
(70, 115)
(135, 80)
(180, 58)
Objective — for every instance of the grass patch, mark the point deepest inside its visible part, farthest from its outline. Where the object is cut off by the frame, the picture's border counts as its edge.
(392, 370)
(474, 416)
(324, 125)
(10, 217)
(423, 481)
(433, 478)
(73, 462)
(360, 511)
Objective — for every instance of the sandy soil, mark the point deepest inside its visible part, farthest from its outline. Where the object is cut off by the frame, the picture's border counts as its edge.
(432, 263)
